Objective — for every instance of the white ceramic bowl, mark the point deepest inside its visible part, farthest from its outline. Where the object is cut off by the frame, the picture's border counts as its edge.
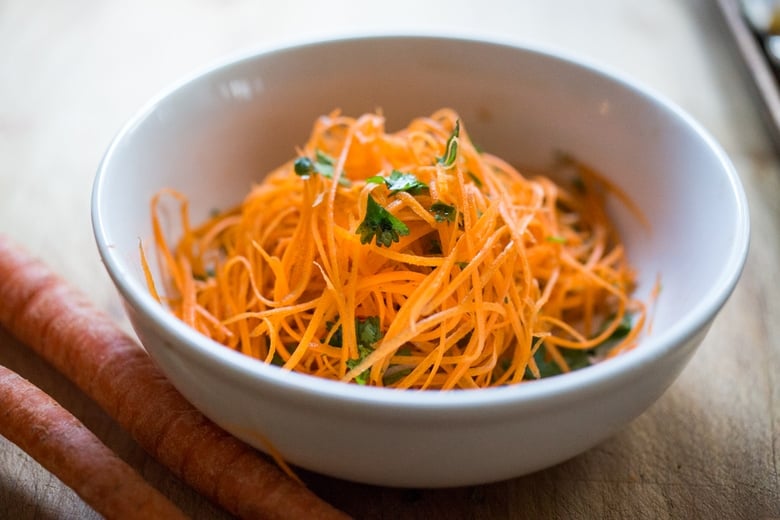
(214, 134)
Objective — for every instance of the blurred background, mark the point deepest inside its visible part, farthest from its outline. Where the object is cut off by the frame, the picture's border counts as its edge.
(71, 74)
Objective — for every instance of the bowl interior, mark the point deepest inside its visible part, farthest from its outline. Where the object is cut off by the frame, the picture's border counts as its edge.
(214, 135)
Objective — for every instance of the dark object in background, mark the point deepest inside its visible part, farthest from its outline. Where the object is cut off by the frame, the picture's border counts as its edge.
(753, 34)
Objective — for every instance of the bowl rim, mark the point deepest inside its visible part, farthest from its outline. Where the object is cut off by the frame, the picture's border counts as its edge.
(249, 370)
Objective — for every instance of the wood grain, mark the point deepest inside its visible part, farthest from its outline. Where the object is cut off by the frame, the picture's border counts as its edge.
(72, 73)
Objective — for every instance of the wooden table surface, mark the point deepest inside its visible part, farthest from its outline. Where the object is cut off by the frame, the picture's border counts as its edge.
(72, 72)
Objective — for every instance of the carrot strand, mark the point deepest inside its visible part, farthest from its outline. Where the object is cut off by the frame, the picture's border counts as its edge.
(524, 264)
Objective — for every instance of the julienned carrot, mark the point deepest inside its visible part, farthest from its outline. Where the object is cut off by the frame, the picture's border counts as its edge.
(58, 322)
(407, 259)
(60, 443)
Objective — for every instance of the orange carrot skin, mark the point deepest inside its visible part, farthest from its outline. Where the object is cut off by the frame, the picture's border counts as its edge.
(58, 322)
(60, 443)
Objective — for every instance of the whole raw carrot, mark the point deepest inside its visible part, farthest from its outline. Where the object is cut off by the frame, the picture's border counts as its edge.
(58, 322)
(60, 443)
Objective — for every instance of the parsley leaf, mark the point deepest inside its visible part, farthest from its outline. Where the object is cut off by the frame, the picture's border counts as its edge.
(451, 152)
(400, 181)
(368, 332)
(322, 164)
(443, 212)
(381, 225)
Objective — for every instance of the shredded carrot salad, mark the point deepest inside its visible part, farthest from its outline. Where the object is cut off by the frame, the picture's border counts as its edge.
(408, 260)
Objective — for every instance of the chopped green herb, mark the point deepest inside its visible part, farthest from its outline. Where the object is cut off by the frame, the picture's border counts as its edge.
(464, 341)
(443, 212)
(208, 273)
(395, 374)
(380, 225)
(277, 360)
(462, 265)
(337, 338)
(303, 166)
(400, 181)
(451, 152)
(575, 358)
(367, 332)
(622, 330)
(361, 378)
(434, 247)
(555, 239)
(476, 179)
(376, 179)
(323, 163)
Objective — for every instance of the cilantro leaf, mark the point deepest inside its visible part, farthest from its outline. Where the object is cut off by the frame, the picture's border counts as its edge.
(400, 181)
(451, 152)
(434, 247)
(576, 359)
(395, 374)
(209, 272)
(476, 179)
(443, 212)
(277, 360)
(623, 329)
(368, 332)
(361, 378)
(322, 164)
(337, 338)
(381, 225)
